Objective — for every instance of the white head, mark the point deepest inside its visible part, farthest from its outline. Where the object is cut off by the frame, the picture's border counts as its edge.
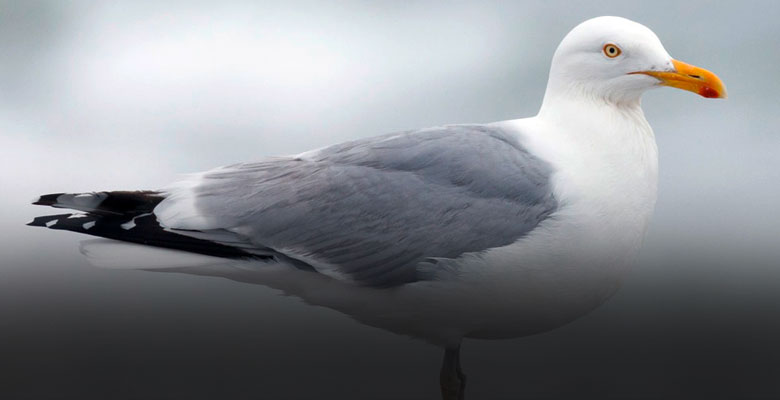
(615, 59)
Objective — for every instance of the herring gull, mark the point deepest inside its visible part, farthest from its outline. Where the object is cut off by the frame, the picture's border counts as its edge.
(489, 231)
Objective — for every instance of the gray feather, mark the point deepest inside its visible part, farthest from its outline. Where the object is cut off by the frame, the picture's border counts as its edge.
(376, 209)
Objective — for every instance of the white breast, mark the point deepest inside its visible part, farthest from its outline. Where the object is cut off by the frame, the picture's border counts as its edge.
(605, 183)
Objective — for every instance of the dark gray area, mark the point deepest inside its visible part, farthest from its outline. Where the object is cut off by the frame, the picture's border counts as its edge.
(99, 96)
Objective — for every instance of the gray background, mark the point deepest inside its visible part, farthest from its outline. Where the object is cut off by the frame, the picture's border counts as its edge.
(104, 95)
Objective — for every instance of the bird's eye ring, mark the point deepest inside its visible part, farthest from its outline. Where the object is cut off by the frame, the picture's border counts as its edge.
(610, 50)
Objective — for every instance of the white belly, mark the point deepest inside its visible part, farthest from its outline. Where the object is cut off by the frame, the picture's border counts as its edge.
(559, 273)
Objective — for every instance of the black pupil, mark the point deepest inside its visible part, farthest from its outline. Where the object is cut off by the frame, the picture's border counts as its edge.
(612, 50)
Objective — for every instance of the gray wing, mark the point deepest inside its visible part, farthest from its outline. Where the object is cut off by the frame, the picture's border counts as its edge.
(373, 210)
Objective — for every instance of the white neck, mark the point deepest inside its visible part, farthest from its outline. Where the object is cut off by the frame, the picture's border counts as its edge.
(606, 171)
(610, 148)
(560, 99)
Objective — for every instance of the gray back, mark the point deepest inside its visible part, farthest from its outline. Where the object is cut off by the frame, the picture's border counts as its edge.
(372, 210)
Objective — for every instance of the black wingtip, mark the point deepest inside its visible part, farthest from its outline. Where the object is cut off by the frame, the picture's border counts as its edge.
(35, 222)
(47, 221)
(145, 230)
(47, 199)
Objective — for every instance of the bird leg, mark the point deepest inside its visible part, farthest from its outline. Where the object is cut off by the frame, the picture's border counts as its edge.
(451, 378)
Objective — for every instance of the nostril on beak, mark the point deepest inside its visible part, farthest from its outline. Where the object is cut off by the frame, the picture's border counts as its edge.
(695, 76)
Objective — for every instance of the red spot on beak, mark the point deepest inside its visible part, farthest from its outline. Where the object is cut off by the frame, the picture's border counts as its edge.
(709, 92)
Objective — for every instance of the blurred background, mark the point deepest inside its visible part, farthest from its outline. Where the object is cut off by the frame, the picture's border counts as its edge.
(129, 95)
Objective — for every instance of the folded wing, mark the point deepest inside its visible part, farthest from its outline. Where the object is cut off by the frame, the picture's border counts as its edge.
(371, 211)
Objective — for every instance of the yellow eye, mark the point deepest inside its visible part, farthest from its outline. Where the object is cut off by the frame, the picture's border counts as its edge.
(611, 50)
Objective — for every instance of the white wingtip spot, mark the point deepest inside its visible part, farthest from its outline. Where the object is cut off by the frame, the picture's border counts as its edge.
(88, 225)
(131, 224)
(128, 225)
(51, 223)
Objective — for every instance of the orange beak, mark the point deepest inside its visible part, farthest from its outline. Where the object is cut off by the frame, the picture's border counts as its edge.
(690, 78)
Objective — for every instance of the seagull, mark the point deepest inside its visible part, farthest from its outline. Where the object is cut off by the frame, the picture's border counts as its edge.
(485, 231)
